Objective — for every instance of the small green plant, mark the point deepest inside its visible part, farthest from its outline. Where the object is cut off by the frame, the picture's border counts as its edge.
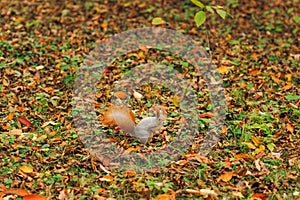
(200, 16)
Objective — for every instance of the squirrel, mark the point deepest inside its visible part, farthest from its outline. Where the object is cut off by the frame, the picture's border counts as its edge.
(124, 118)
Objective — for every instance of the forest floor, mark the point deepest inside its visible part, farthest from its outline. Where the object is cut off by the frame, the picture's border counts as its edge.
(256, 51)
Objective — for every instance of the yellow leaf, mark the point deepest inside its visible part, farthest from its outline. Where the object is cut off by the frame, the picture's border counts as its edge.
(289, 77)
(26, 169)
(249, 145)
(260, 149)
(225, 177)
(223, 69)
(175, 100)
(255, 141)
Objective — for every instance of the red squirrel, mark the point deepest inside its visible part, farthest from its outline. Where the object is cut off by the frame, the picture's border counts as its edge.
(124, 118)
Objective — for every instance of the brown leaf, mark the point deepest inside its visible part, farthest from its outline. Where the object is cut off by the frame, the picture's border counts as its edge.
(33, 197)
(225, 177)
(26, 169)
(24, 121)
(16, 191)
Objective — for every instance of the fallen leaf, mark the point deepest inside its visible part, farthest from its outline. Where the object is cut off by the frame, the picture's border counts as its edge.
(165, 197)
(24, 121)
(175, 100)
(192, 191)
(121, 94)
(223, 69)
(255, 141)
(290, 128)
(249, 145)
(206, 115)
(258, 196)
(137, 95)
(206, 192)
(26, 169)
(10, 116)
(243, 156)
(33, 197)
(225, 177)
(16, 132)
(16, 191)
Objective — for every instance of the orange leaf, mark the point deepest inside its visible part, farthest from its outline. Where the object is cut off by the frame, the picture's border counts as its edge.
(290, 128)
(206, 115)
(19, 192)
(121, 94)
(260, 196)
(24, 121)
(26, 169)
(10, 116)
(165, 197)
(243, 156)
(33, 197)
(225, 177)
(287, 86)
(223, 69)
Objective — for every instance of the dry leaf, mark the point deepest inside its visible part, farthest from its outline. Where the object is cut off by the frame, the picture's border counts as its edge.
(223, 69)
(290, 128)
(137, 95)
(121, 94)
(24, 121)
(26, 169)
(225, 177)
(16, 132)
(243, 156)
(206, 115)
(165, 197)
(261, 148)
(16, 191)
(206, 192)
(255, 141)
(249, 145)
(107, 178)
(33, 197)
(175, 100)
(288, 77)
(192, 191)
(10, 116)
(259, 196)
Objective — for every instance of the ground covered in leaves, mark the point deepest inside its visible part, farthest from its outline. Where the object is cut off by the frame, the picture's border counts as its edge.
(256, 50)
